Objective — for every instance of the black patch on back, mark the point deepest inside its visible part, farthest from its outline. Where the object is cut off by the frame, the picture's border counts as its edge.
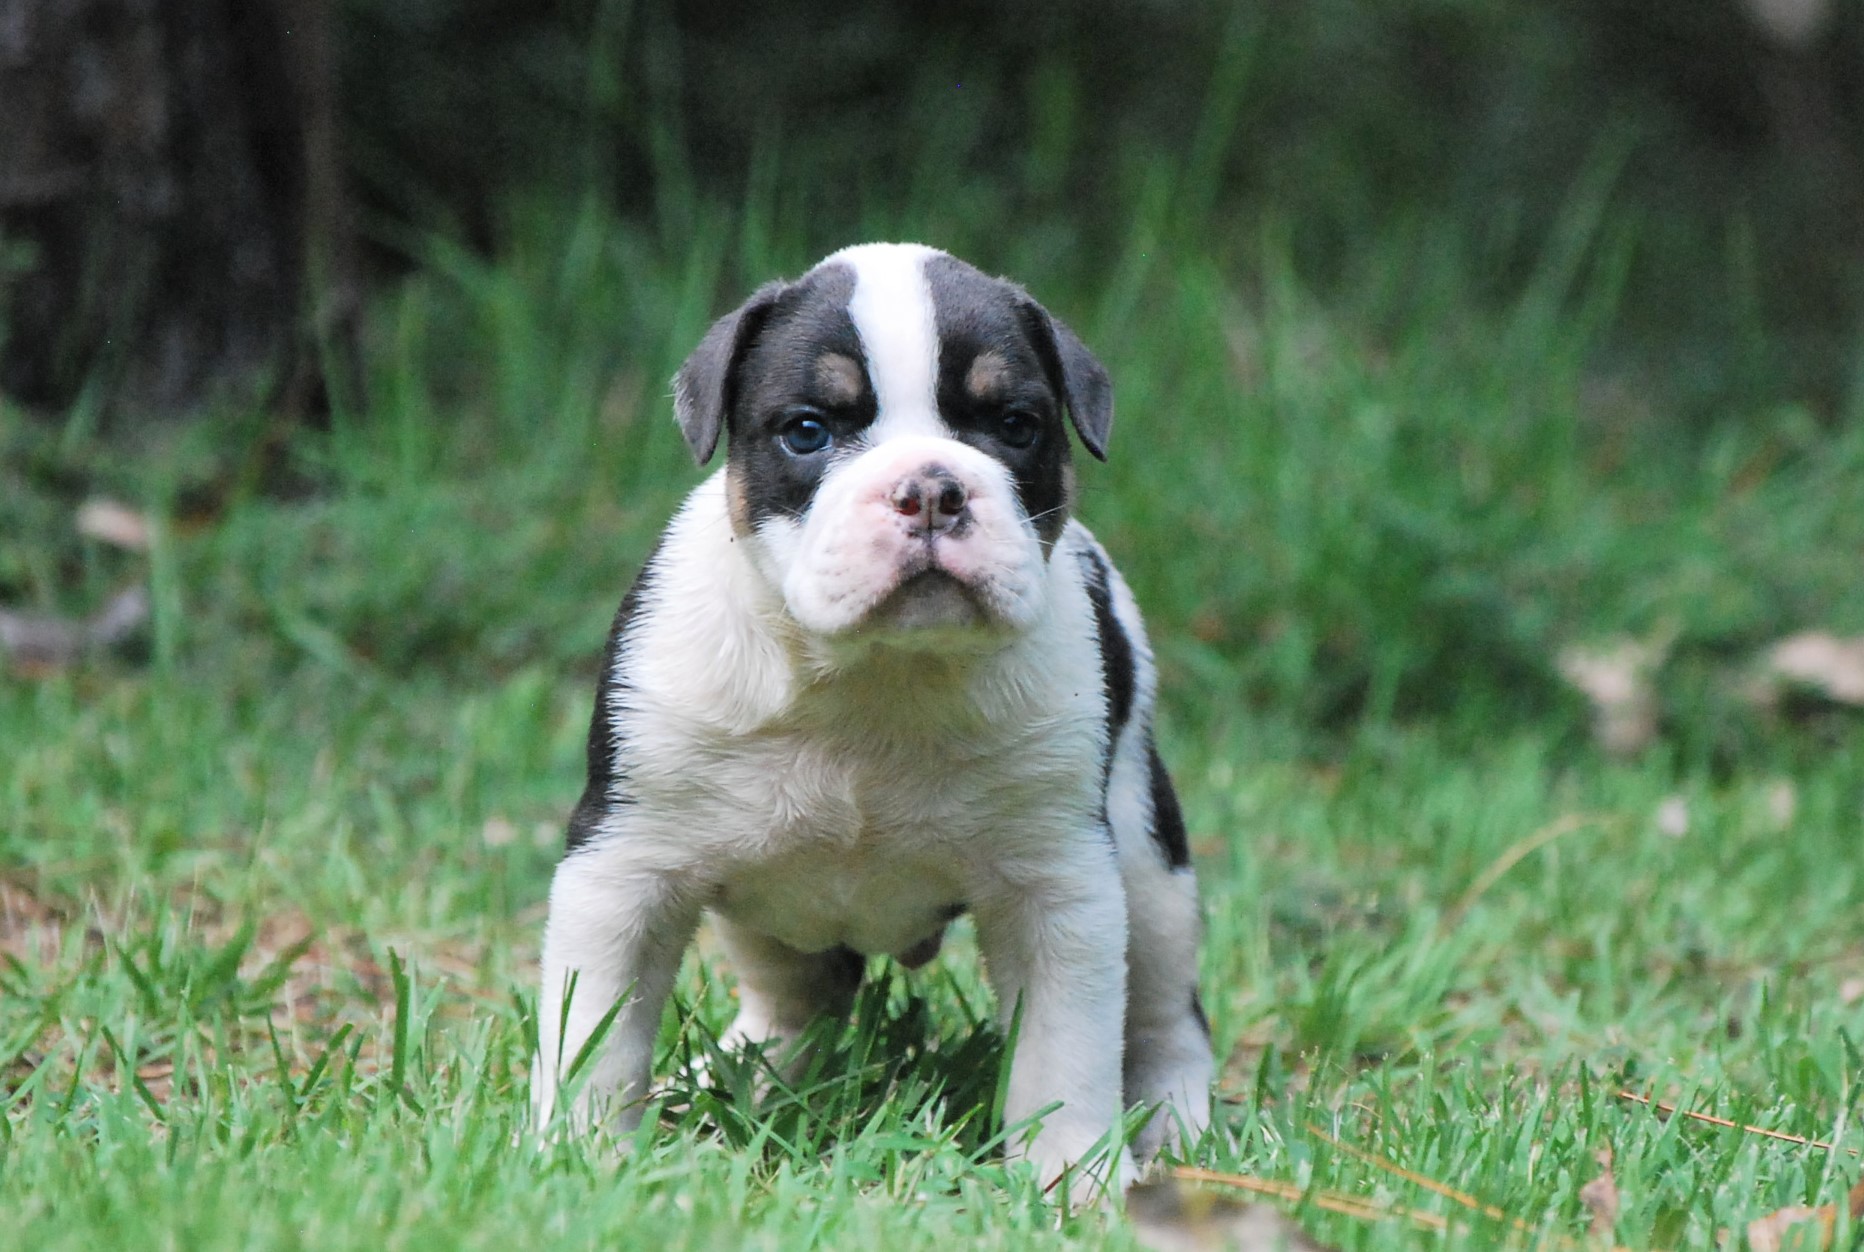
(976, 314)
(1167, 818)
(780, 370)
(1117, 674)
(605, 787)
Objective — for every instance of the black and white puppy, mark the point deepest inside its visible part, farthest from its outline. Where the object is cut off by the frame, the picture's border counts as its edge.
(872, 678)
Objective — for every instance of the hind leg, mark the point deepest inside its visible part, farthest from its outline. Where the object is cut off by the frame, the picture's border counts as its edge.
(782, 990)
(1168, 1052)
(1168, 1057)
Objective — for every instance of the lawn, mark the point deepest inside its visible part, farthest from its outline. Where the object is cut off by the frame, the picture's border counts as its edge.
(271, 881)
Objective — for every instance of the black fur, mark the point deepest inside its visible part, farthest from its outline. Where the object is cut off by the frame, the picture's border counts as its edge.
(976, 314)
(605, 786)
(1167, 818)
(1117, 673)
(1084, 380)
(706, 385)
(781, 366)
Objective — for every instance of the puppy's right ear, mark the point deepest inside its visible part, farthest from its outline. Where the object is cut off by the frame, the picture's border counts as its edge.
(705, 386)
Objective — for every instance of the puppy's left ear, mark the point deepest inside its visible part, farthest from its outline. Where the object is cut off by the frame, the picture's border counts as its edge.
(1084, 382)
(706, 385)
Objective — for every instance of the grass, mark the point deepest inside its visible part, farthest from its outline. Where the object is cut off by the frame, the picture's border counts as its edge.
(270, 894)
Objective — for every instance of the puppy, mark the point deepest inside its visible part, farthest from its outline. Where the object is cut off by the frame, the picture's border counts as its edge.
(872, 678)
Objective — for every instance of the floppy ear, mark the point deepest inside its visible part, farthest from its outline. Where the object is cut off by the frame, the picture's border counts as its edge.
(1090, 391)
(1084, 382)
(704, 388)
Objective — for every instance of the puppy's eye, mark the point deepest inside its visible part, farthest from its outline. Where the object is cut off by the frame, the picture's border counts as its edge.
(1018, 428)
(805, 434)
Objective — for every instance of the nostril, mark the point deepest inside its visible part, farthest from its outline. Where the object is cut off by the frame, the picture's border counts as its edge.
(932, 498)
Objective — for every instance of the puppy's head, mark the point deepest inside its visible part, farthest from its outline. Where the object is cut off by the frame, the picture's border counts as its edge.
(898, 441)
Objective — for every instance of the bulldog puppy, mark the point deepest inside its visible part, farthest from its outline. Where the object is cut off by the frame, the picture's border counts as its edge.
(873, 677)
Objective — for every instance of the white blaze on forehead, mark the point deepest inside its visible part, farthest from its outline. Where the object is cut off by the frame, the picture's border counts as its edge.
(892, 312)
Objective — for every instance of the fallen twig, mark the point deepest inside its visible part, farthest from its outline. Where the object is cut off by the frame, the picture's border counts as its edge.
(1429, 1184)
(1520, 852)
(1667, 1110)
(1330, 1201)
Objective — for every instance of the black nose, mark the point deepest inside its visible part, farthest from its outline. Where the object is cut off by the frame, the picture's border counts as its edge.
(933, 498)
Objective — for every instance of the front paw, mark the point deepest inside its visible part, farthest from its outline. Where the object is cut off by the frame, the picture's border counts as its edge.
(593, 1110)
(1177, 1123)
(1171, 1078)
(1087, 1176)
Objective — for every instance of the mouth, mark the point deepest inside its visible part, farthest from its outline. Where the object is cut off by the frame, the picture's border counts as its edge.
(926, 599)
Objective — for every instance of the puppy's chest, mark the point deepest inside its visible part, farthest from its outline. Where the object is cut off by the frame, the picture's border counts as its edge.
(868, 803)
(866, 850)
(876, 896)
(823, 840)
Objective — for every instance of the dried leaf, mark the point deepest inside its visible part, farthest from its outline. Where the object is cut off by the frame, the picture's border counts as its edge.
(158, 1078)
(1792, 1228)
(1801, 1227)
(36, 642)
(120, 618)
(1821, 662)
(1782, 803)
(114, 522)
(1617, 677)
(30, 929)
(1600, 1196)
(1793, 24)
(40, 642)
(1170, 1217)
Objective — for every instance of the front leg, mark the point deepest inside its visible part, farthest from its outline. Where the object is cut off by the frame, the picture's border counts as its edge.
(617, 928)
(1056, 944)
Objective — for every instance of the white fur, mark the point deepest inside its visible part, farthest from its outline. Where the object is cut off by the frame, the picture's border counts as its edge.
(893, 313)
(851, 551)
(1168, 1062)
(819, 782)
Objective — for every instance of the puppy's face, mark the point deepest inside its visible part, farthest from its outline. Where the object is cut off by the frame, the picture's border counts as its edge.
(899, 453)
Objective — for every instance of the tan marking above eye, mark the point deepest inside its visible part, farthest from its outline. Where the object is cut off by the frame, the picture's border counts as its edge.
(988, 375)
(840, 378)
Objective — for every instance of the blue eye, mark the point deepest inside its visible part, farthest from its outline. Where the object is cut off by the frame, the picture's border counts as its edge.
(805, 435)
(1018, 428)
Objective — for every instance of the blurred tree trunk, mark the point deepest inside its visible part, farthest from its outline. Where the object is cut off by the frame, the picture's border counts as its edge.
(169, 194)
